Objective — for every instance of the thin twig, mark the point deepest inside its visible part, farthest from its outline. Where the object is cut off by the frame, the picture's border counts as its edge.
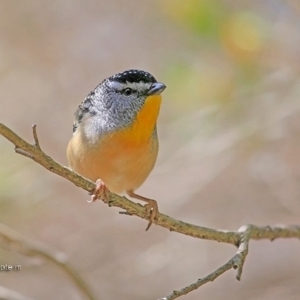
(243, 249)
(236, 262)
(16, 242)
(209, 278)
(36, 142)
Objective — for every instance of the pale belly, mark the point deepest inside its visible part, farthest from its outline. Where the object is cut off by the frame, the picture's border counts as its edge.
(120, 166)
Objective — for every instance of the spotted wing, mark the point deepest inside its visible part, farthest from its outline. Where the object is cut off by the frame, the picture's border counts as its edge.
(86, 107)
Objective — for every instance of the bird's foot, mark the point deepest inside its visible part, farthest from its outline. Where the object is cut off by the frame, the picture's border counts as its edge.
(151, 207)
(101, 191)
(151, 211)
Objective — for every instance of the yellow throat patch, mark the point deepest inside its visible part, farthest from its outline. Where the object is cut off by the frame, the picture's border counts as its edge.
(142, 128)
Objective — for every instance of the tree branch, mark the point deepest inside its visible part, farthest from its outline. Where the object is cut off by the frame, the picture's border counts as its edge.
(17, 243)
(238, 238)
(236, 262)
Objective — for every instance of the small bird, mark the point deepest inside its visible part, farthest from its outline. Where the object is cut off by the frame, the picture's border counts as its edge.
(114, 140)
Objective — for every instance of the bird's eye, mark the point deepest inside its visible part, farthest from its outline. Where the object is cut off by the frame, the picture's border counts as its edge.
(127, 91)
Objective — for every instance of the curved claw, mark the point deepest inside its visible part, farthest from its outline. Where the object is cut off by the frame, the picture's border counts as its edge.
(101, 191)
(152, 211)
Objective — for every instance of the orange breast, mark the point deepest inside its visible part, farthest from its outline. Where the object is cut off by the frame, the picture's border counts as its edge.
(123, 159)
(142, 129)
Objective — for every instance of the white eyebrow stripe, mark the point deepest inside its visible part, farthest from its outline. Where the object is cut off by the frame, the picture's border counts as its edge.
(139, 86)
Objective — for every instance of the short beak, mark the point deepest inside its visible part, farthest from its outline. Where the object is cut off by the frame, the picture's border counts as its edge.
(156, 89)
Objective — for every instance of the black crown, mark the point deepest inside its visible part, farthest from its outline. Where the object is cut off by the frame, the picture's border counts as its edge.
(133, 76)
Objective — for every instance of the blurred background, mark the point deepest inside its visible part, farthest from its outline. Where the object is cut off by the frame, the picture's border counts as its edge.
(229, 133)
